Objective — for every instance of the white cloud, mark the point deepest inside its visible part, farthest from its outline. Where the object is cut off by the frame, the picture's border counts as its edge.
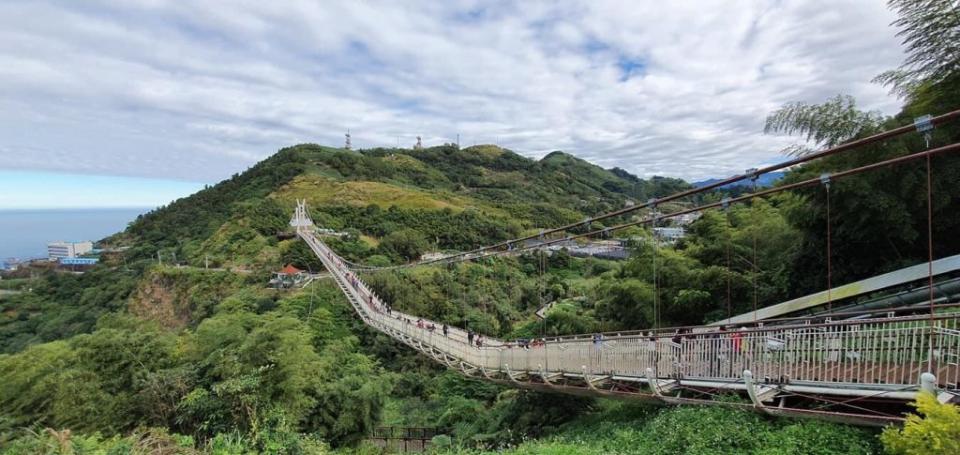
(197, 90)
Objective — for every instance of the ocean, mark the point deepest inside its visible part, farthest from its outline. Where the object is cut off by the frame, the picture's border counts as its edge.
(25, 233)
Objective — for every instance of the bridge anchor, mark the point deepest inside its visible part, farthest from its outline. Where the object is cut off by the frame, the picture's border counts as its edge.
(758, 394)
(659, 388)
(591, 381)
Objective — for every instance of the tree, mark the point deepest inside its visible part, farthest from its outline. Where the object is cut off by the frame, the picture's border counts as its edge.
(931, 34)
(407, 244)
(828, 124)
(626, 303)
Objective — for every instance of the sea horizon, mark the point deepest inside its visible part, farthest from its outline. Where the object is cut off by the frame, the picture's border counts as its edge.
(25, 232)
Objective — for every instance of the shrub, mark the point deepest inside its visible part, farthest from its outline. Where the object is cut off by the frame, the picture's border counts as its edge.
(937, 432)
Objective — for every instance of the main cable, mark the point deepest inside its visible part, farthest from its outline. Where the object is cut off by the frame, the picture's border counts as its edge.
(949, 116)
(792, 186)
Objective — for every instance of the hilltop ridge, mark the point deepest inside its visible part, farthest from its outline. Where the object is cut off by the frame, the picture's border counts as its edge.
(488, 193)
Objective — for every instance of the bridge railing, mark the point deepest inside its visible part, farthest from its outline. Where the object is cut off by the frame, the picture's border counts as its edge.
(882, 353)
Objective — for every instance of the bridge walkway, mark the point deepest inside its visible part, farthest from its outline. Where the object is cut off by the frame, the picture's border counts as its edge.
(857, 370)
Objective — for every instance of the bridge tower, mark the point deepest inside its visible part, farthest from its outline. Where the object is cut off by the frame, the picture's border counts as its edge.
(301, 218)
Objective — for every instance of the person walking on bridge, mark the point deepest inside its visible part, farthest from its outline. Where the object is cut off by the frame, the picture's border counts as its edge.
(598, 349)
(445, 330)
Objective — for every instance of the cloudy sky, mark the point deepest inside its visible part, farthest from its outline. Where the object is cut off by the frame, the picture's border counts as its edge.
(191, 92)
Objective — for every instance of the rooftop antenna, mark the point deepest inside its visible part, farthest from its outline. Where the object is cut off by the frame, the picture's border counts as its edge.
(347, 145)
(419, 144)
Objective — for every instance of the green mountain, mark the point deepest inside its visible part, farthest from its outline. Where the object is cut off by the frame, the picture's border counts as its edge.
(181, 334)
(178, 346)
(453, 198)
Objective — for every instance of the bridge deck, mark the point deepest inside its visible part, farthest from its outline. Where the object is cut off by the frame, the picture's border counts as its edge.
(878, 359)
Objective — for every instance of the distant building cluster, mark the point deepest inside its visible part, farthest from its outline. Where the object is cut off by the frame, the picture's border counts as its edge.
(606, 249)
(73, 254)
(670, 234)
(65, 250)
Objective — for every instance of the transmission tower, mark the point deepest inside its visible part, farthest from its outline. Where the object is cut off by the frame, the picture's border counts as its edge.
(347, 144)
(419, 144)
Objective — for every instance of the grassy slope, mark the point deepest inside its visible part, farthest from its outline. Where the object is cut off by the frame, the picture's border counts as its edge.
(320, 190)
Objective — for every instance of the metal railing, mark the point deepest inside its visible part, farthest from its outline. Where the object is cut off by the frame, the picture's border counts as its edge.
(873, 354)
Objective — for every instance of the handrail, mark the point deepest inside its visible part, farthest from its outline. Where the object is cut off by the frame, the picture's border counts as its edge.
(893, 346)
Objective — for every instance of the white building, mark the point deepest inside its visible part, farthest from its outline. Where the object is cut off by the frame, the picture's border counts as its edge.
(670, 234)
(59, 250)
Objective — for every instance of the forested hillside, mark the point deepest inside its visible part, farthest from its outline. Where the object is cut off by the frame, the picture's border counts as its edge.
(179, 345)
(182, 336)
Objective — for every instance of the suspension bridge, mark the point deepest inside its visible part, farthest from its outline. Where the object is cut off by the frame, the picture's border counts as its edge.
(860, 366)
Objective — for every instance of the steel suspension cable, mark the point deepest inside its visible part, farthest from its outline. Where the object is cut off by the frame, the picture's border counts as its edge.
(949, 116)
(747, 197)
(774, 190)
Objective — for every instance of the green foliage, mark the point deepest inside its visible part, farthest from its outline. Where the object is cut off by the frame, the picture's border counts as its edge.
(930, 31)
(831, 123)
(934, 430)
(882, 221)
(65, 442)
(479, 414)
(485, 297)
(62, 305)
(445, 228)
(625, 302)
(241, 369)
(276, 439)
(632, 429)
(271, 375)
(200, 215)
(406, 244)
(300, 256)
